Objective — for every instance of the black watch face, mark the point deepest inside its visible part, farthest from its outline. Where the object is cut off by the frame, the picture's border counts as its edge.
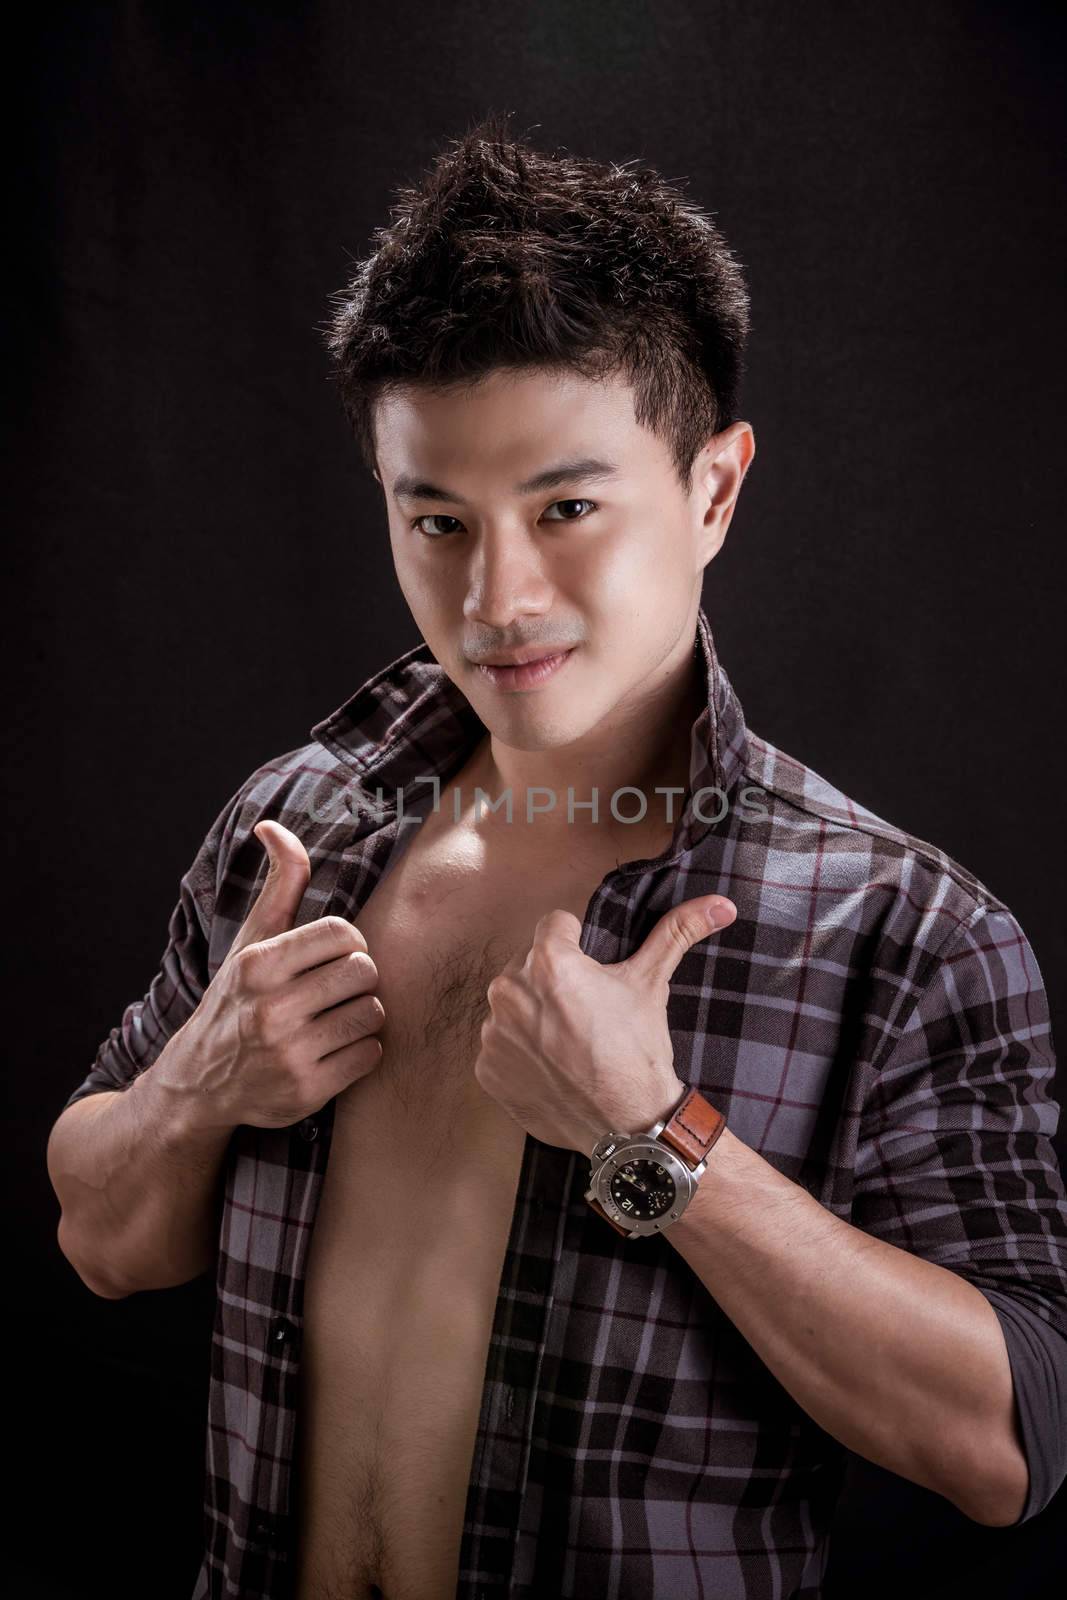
(643, 1189)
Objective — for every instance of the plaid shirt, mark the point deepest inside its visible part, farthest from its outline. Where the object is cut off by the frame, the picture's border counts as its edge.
(873, 1023)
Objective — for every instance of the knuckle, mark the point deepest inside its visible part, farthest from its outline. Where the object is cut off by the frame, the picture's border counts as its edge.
(265, 1019)
(548, 967)
(346, 933)
(247, 965)
(251, 1022)
(546, 954)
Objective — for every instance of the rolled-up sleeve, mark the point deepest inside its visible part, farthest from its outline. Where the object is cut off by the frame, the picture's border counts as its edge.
(178, 986)
(955, 1161)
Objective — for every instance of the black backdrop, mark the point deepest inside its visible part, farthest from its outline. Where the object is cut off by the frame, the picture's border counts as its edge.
(201, 566)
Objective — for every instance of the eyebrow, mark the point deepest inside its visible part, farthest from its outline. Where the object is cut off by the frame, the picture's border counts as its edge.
(587, 470)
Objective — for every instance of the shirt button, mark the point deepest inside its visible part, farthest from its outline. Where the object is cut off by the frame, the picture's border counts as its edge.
(309, 1129)
(282, 1332)
(265, 1530)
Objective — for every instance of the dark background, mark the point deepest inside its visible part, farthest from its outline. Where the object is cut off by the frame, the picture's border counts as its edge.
(201, 568)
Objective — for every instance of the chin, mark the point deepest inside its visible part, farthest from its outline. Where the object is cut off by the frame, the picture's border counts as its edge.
(537, 730)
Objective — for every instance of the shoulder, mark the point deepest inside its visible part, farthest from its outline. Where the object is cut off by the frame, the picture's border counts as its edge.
(301, 788)
(824, 857)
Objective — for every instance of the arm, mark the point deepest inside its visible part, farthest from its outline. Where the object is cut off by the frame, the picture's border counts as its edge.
(902, 1361)
(139, 1183)
(893, 1333)
(136, 1175)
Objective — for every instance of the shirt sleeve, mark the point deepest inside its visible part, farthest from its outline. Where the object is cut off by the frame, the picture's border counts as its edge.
(178, 986)
(955, 1161)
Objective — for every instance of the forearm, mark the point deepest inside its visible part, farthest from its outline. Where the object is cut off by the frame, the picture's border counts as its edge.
(138, 1179)
(902, 1361)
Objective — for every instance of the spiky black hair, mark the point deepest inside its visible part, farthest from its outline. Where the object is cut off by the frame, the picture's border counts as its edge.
(506, 256)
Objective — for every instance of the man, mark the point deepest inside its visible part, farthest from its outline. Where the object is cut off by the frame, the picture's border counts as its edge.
(505, 1306)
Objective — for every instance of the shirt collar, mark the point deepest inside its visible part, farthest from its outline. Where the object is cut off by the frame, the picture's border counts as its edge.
(410, 721)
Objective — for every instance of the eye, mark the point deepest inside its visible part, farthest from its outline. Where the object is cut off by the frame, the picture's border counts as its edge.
(428, 516)
(591, 503)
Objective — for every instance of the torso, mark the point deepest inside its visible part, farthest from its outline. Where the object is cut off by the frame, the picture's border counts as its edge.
(403, 1276)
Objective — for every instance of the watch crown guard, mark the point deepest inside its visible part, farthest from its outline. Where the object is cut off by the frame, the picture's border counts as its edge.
(605, 1145)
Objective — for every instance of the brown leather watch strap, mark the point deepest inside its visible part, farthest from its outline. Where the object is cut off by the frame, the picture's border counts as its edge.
(693, 1127)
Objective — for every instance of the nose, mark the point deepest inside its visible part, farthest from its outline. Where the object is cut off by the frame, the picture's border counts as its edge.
(507, 580)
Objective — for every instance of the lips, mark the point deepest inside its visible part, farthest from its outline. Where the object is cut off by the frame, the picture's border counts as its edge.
(523, 658)
(528, 673)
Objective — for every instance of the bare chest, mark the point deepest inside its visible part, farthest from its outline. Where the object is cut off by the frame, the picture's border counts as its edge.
(409, 1239)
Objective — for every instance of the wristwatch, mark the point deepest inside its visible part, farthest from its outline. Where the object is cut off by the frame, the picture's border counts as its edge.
(640, 1183)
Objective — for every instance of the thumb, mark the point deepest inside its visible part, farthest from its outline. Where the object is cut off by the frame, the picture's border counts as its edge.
(677, 932)
(275, 907)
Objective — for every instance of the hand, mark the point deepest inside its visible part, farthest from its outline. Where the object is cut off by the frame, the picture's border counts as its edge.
(289, 1019)
(573, 1047)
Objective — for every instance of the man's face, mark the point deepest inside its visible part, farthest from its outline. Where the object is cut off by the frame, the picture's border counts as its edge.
(605, 566)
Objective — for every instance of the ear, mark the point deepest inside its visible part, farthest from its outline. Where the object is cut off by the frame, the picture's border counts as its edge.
(730, 456)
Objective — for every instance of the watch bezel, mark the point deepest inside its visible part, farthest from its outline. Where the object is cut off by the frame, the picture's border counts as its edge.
(644, 1147)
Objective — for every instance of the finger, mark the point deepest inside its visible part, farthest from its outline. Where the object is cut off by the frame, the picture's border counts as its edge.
(677, 932)
(348, 975)
(288, 873)
(561, 925)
